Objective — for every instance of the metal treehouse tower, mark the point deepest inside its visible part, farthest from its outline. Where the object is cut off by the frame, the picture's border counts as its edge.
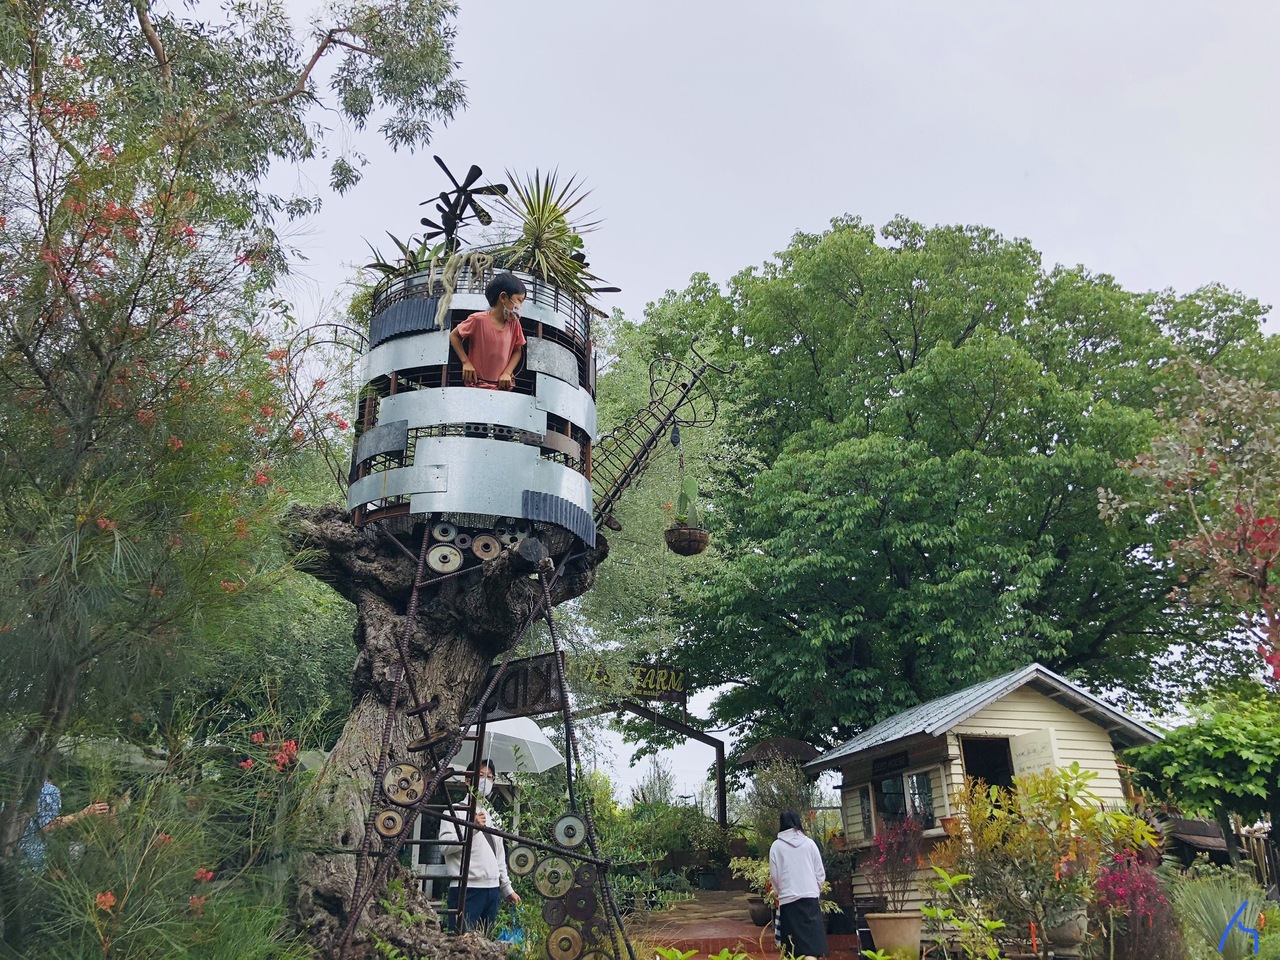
(455, 475)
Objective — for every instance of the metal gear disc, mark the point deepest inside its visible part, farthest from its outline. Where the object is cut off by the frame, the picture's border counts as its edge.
(486, 547)
(585, 876)
(570, 831)
(389, 823)
(444, 558)
(554, 912)
(580, 902)
(522, 860)
(403, 784)
(564, 943)
(553, 877)
(596, 931)
(444, 532)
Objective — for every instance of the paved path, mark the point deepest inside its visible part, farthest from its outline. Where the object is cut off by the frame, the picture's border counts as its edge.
(716, 919)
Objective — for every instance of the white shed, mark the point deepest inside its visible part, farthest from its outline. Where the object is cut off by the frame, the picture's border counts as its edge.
(1026, 721)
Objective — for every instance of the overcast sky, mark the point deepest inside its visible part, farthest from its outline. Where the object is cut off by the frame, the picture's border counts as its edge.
(1136, 138)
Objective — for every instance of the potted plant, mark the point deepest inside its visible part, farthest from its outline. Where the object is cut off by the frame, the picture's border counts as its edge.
(839, 861)
(547, 244)
(712, 840)
(684, 536)
(892, 871)
(755, 871)
(1033, 853)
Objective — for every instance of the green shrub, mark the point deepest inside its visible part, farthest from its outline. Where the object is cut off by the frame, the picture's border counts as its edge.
(1205, 900)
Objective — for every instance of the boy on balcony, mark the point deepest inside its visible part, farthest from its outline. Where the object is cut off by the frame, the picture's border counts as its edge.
(494, 338)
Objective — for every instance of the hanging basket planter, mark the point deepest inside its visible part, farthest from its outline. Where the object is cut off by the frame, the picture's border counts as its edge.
(686, 540)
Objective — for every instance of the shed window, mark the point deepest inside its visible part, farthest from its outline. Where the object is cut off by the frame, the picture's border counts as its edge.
(897, 797)
(920, 797)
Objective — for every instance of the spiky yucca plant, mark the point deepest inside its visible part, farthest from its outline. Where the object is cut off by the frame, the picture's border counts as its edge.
(548, 244)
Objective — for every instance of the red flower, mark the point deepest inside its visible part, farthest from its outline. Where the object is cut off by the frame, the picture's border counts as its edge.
(196, 904)
(175, 443)
(230, 586)
(163, 840)
(257, 737)
(106, 900)
(203, 875)
(278, 354)
(260, 479)
(246, 764)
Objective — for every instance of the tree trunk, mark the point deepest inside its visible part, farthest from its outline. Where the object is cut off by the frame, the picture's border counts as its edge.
(1223, 816)
(462, 625)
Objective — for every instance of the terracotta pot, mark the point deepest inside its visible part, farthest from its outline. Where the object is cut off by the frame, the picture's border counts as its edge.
(761, 912)
(686, 541)
(897, 934)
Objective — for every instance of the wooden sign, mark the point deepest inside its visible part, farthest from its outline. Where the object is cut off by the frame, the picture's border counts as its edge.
(530, 687)
(647, 681)
(883, 766)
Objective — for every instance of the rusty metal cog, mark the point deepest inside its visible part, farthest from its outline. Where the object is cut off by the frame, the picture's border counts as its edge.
(570, 831)
(580, 902)
(403, 784)
(522, 860)
(564, 943)
(554, 912)
(389, 823)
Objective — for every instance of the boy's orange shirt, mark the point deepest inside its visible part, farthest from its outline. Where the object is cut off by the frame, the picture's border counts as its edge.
(490, 347)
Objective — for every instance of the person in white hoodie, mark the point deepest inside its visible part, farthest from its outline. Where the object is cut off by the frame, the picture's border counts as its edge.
(797, 875)
(487, 880)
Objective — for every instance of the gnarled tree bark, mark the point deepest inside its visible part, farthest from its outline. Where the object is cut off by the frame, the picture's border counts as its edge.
(462, 625)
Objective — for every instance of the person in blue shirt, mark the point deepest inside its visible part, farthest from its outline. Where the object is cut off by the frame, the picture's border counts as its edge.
(48, 817)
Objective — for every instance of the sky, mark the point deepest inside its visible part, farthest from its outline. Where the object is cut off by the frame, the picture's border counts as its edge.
(1138, 139)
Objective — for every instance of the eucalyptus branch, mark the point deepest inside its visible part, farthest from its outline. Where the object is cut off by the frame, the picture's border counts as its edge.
(298, 89)
(153, 39)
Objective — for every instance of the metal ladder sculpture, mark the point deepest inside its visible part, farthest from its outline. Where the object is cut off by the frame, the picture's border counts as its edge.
(678, 396)
(404, 791)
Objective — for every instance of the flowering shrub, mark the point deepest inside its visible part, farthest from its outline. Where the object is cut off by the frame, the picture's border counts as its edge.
(1135, 912)
(894, 860)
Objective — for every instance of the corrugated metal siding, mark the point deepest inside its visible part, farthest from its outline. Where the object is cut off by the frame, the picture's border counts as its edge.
(1074, 737)
(563, 513)
(407, 316)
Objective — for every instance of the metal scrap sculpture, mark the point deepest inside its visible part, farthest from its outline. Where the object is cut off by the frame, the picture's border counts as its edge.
(456, 476)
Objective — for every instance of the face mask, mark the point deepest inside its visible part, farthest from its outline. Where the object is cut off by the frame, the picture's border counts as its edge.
(486, 786)
(511, 314)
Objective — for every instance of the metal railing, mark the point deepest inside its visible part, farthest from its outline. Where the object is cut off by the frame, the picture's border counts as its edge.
(428, 283)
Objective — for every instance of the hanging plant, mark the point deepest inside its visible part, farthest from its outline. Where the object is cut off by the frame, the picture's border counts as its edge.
(684, 536)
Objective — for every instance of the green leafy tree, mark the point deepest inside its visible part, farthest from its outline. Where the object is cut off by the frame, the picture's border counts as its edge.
(903, 489)
(1226, 760)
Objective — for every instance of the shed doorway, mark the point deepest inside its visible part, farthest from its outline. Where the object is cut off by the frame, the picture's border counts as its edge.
(989, 759)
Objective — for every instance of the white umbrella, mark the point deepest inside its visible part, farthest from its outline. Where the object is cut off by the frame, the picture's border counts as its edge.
(517, 745)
